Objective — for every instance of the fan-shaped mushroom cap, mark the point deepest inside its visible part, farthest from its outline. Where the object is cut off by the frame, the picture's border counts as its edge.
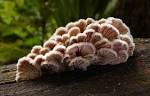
(103, 43)
(39, 59)
(101, 21)
(89, 21)
(118, 45)
(58, 39)
(131, 50)
(65, 37)
(81, 24)
(73, 40)
(89, 33)
(73, 31)
(80, 49)
(123, 29)
(79, 63)
(32, 55)
(86, 48)
(43, 51)
(127, 39)
(26, 71)
(94, 26)
(54, 56)
(96, 37)
(36, 49)
(108, 55)
(81, 37)
(70, 25)
(123, 55)
(50, 44)
(60, 31)
(60, 48)
(72, 50)
(53, 61)
(109, 31)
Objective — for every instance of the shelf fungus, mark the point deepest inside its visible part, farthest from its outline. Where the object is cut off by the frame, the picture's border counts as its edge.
(77, 46)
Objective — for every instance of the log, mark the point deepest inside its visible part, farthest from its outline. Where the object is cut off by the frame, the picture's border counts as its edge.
(128, 79)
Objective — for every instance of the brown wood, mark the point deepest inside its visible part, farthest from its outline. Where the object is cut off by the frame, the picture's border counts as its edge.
(128, 79)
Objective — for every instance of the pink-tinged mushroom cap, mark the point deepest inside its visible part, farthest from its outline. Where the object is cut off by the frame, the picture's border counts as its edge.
(36, 49)
(26, 71)
(73, 31)
(79, 63)
(60, 31)
(108, 55)
(109, 31)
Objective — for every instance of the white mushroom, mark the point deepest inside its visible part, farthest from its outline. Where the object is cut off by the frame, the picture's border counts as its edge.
(73, 31)
(32, 55)
(25, 70)
(73, 40)
(81, 37)
(101, 21)
(103, 43)
(60, 31)
(123, 56)
(53, 61)
(89, 21)
(108, 55)
(96, 37)
(118, 45)
(60, 48)
(89, 33)
(70, 25)
(123, 29)
(36, 49)
(79, 63)
(109, 31)
(44, 50)
(94, 26)
(81, 24)
(50, 44)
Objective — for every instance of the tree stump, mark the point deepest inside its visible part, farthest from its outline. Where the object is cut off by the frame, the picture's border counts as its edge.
(128, 79)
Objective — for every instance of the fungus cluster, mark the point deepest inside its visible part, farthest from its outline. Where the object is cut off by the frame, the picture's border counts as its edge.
(78, 45)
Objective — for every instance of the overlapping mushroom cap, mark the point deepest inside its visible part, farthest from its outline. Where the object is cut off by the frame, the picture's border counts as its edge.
(78, 45)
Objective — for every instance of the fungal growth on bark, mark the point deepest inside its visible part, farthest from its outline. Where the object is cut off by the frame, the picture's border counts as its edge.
(77, 46)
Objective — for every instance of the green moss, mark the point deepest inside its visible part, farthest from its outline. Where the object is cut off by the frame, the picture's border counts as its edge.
(10, 53)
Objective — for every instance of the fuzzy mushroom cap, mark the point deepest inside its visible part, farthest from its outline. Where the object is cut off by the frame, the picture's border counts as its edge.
(54, 56)
(50, 44)
(89, 21)
(118, 45)
(79, 63)
(109, 31)
(32, 55)
(60, 31)
(80, 49)
(26, 71)
(108, 55)
(70, 25)
(123, 29)
(73, 31)
(89, 33)
(96, 37)
(36, 49)
(81, 24)
(81, 37)
(94, 26)
(78, 45)
(60, 48)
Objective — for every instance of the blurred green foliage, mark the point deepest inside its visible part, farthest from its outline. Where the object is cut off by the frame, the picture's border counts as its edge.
(24, 23)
